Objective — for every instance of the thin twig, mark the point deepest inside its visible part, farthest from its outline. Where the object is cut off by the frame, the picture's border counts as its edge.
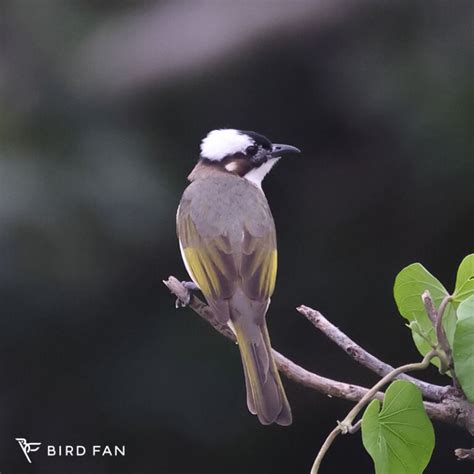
(444, 348)
(355, 427)
(440, 333)
(429, 307)
(441, 310)
(431, 391)
(436, 318)
(325, 448)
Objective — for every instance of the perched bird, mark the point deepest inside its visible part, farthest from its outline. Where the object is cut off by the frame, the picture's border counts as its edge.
(227, 239)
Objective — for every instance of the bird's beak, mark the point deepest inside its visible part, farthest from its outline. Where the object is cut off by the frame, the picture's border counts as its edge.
(278, 150)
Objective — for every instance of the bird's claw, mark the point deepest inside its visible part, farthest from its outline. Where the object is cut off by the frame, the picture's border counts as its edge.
(190, 286)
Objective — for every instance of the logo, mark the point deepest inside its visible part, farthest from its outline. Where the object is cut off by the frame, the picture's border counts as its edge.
(28, 448)
(73, 451)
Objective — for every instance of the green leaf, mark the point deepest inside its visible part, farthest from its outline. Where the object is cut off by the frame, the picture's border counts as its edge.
(400, 437)
(410, 284)
(463, 347)
(465, 279)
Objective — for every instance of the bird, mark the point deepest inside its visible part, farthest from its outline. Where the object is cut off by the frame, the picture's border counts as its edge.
(228, 243)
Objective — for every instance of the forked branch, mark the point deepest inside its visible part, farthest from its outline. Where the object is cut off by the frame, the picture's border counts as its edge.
(359, 354)
(448, 408)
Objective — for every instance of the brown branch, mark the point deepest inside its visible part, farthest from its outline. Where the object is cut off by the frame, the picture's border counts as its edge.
(360, 355)
(446, 412)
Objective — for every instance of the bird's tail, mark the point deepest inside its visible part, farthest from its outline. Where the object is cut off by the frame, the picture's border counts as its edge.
(266, 396)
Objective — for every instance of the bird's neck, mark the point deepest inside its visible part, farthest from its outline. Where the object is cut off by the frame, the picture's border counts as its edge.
(233, 166)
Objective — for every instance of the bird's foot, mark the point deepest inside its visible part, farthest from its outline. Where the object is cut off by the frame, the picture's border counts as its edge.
(190, 286)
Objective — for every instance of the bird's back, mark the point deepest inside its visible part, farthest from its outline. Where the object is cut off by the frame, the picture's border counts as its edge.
(227, 204)
(227, 237)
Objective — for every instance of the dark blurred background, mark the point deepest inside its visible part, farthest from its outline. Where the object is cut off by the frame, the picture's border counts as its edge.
(102, 108)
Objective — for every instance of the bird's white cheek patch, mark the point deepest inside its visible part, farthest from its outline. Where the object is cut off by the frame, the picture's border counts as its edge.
(256, 175)
(232, 166)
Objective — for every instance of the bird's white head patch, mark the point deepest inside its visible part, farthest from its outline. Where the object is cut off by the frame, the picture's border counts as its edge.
(224, 142)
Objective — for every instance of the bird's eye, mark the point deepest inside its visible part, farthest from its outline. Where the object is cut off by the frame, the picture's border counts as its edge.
(251, 150)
